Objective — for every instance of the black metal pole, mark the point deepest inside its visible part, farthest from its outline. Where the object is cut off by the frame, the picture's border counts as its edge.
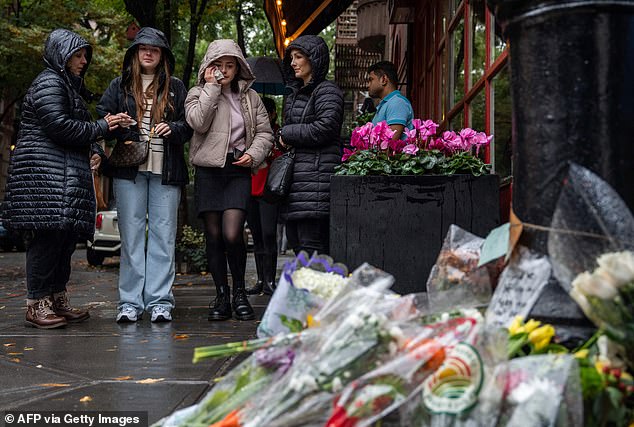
(572, 85)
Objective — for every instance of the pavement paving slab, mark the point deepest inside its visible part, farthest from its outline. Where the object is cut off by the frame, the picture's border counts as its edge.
(99, 365)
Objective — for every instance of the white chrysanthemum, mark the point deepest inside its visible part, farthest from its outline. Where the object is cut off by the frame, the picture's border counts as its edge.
(325, 285)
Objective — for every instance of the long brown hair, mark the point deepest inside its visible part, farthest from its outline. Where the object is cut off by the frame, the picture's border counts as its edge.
(157, 90)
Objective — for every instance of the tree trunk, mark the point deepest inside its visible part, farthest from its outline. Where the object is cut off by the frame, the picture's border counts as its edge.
(144, 11)
(240, 28)
(196, 16)
(167, 20)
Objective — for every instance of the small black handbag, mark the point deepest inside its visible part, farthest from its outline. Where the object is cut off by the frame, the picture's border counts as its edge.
(278, 181)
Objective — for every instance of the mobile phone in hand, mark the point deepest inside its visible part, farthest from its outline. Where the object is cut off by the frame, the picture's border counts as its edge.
(218, 75)
(237, 153)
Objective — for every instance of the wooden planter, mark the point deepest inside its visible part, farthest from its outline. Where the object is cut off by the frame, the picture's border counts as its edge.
(398, 223)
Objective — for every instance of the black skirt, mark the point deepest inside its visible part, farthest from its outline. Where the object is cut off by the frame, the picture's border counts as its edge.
(219, 189)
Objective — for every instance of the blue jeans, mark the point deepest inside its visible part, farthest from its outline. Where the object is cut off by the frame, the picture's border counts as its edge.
(147, 268)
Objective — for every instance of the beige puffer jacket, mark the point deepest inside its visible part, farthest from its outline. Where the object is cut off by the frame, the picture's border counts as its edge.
(209, 114)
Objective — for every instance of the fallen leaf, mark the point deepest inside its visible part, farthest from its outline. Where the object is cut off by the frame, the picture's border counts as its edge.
(127, 377)
(144, 341)
(111, 349)
(3, 307)
(15, 359)
(11, 344)
(150, 380)
(28, 348)
(85, 399)
(38, 366)
(15, 353)
(181, 336)
(54, 385)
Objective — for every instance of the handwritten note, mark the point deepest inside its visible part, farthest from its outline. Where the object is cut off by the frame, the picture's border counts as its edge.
(519, 287)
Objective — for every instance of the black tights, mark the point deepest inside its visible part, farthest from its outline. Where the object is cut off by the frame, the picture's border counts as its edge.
(224, 232)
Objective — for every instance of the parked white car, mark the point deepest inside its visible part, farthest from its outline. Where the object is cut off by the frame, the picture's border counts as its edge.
(106, 241)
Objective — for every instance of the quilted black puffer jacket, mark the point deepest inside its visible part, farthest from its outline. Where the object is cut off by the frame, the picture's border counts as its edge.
(118, 98)
(316, 138)
(50, 184)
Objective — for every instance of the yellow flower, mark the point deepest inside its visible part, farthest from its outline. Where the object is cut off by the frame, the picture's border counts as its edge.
(310, 321)
(531, 325)
(598, 365)
(541, 336)
(517, 326)
(582, 354)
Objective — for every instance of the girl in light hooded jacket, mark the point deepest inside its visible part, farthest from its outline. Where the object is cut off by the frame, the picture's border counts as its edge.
(232, 137)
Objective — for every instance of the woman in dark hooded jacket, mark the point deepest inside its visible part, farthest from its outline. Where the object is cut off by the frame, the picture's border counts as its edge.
(154, 102)
(313, 116)
(50, 195)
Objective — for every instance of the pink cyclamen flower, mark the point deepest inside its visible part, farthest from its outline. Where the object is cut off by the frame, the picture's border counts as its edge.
(480, 140)
(451, 141)
(410, 136)
(347, 153)
(381, 135)
(428, 129)
(396, 145)
(410, 149)
(436, 144)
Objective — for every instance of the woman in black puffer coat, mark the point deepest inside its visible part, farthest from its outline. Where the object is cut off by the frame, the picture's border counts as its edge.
(50, 195)
(313, 116)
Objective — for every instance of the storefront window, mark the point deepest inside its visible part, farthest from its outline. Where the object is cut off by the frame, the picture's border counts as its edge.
(477, 109)
(499, 42)
(457, 63)
(478, 40)
(501, 129)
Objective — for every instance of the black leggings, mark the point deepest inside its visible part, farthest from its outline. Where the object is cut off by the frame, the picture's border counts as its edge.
(224, 236)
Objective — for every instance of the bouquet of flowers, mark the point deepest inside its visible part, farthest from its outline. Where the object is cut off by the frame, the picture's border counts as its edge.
(381, 391)
(606, 296)
(374, 152)
(305, 285)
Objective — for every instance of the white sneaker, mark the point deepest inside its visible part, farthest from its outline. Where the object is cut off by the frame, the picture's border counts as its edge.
(161, 313)
(127, 313)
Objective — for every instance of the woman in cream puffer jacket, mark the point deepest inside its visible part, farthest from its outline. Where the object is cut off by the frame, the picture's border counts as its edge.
(232, 136)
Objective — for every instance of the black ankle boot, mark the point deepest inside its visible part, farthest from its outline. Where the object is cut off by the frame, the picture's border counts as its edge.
(241, 306)
(259, 266)
(220, 308)
(270, 272)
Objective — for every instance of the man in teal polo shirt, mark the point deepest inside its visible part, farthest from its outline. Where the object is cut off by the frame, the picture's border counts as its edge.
(394, 108)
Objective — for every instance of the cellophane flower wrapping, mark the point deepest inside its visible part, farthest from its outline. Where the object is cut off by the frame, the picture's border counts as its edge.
(590, 219)
(321, 279)
(384, 389)
(606, 296)
(230, 393)
(467, 389)
(456, 280)
(354, 335)
(542, 390)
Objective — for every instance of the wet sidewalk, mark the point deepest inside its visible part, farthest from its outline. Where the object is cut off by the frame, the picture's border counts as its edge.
(100, 365)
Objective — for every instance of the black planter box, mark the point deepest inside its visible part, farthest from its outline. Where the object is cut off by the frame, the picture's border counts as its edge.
(398, 223)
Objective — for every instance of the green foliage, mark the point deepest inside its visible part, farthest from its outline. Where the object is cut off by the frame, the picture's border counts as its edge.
(379, 162)
(101, 22)
(192, 246)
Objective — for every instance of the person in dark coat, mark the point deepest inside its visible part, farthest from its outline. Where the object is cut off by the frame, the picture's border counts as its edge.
(149, 193)
(50, 195)
(313, 116)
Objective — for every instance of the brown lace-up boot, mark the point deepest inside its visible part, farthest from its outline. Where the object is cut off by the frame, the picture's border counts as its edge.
(62, 307)
(40, 315)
